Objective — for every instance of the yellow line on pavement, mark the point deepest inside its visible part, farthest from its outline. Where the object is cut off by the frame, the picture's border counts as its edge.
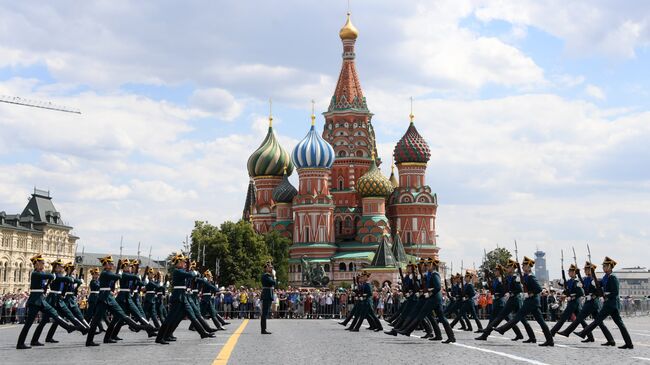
(226, 351)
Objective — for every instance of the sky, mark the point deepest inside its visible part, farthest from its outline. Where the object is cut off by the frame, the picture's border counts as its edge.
(536, 113)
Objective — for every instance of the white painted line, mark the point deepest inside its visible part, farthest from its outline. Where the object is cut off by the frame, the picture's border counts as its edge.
(565, 346)
(514, 357)
(7, 327)
(641, 358)
(640, 334)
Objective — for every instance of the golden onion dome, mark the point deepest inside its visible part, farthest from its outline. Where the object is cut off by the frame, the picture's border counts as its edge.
(349, 31)
(373, 183)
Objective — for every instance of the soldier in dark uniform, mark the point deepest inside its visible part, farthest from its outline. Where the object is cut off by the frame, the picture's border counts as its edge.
(502, 308)
(419, 315)
(180, 306)
(208, 290)
(354, 294)
(432, 304)
(93, 295)
(37, 303)
(456, 303)
(611, 305)
(193, 298)
(150, 299)
(125, 300)
(137, 285)
(590, 307)
(106, 302)
(532, 304)
(161, 297)
(573, 292)
(55, 299)
(367, 310)
(467, 307)
(268, 283)
(71, 292)
(410, 286)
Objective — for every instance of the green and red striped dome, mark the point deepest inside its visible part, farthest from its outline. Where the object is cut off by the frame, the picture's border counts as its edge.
(412, 147)
(270, 158)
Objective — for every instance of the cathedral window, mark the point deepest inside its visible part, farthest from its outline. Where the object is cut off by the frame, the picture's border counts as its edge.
(327, 267)
(342, 266)
(306, 234)
(408, 237)
(342, 153)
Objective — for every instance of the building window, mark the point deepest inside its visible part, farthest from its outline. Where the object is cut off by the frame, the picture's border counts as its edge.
(306, 234)
(341, 184)
(359, 153)
(342, 153)
(342, 266)
(327, 267)
(351, 266)
(408, 237)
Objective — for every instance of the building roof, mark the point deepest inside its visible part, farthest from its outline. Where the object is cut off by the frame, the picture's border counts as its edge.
(92, 259)
(383, 256)
(367, 255)
(399, 254)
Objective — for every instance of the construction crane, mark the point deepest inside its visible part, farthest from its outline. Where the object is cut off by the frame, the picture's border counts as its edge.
(37, 104)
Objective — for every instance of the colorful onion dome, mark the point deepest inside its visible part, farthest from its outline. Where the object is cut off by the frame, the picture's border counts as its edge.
(270, 158)
(373, 183)
(349, 31)
(412, 147)
(313, 151)
(284, 192)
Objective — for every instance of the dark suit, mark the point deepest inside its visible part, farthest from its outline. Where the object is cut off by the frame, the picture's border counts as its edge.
(267, 297)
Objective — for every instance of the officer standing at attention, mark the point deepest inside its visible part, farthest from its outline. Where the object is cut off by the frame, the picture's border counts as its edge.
(268, 282)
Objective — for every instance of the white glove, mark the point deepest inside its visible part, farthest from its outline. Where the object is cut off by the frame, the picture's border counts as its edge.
(119, 272)
(166, 283)
(82, 282)
(146, 281)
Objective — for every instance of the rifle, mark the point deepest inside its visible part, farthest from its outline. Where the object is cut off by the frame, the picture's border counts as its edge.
(563, 275)
(488, 279)
(521, 276)
(445, 280)
(145, 275)
(401, 277)
(422, 283)
(575, 262)
(599, 289)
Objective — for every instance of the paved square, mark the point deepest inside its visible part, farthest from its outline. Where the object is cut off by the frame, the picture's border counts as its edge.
(324, 341)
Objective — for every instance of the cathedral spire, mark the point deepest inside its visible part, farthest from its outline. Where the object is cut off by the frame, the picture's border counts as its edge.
(348, 94)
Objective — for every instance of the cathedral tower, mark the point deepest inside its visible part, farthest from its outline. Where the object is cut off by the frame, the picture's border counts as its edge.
(349, 130)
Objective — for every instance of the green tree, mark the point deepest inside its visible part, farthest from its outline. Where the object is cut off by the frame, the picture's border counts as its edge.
(499, 255)
(278, 248)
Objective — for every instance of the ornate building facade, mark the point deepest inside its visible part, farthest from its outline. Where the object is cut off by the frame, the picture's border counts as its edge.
(38, 229)
(345, 213)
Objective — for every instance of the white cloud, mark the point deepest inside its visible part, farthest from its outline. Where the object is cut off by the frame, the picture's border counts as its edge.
(218, 102)
(595, 92)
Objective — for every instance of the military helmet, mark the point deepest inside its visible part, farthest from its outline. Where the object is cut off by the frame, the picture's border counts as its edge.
(609, 261)
(36, 258)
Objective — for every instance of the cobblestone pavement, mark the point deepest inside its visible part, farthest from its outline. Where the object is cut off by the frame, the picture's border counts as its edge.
(324, 341)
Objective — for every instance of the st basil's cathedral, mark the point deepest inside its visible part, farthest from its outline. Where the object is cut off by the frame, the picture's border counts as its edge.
(345, 214)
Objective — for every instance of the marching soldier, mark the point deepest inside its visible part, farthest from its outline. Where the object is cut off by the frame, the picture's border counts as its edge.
(355, 307)
(71, 292)
(410, 286)
(37, 303)
(125, 300)
(161, 297)
(150, 299)
(532, 304)
(179, 303)
(467, 305)
(573, 292)
(504, 308)
(590, 307)
(136, 286)
(609, 287)
(207, 290)
(93, 293)
(55, 299)
(268, 282)
(106, 302)
(193, 299)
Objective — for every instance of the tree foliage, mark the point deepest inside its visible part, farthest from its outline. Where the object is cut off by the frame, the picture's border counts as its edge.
(499, 255)
(240, 250)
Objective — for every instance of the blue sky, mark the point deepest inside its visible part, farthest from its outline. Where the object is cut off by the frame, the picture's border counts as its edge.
(536, 112)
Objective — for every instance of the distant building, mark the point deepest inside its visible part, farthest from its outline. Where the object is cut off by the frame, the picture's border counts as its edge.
(634, 281)
(540, 266)
(87, 261)
(38, 229)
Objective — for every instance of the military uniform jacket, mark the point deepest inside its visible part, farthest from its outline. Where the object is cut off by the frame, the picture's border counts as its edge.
(609, 285)
(179, 277)
(456, 291)
(94, 291)
(107, 281)
(574, 289)
(59, 284)
(267, 286)
(532, 285)
(468, 291)
(366, 292)
(37, 286)
(434, 285)
(126, 283)
(408, 285)
(151, 289)
(207, 288)
(71, 286)
(498, 289)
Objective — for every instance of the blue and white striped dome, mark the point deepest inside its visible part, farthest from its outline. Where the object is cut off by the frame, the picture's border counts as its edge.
(313, 152)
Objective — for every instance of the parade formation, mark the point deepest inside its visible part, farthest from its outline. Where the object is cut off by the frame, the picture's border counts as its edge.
(323, 228)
